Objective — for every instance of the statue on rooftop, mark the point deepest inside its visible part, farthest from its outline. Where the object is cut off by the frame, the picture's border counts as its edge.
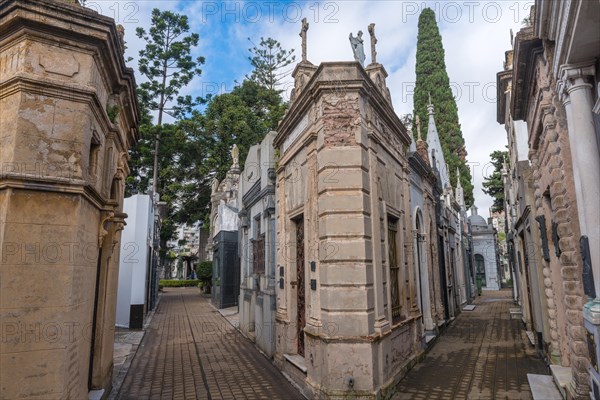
(418, 123)
(235, 156)
(214, 186)
(358, 48)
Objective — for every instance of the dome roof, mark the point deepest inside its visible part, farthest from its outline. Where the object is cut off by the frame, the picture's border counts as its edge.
(477, 220)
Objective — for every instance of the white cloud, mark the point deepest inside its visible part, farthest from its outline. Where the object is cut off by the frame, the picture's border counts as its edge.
(475, 37)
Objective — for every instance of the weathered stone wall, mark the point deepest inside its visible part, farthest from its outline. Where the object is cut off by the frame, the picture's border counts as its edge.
(257, 289)
(423, 218)
(555, 201)
(61, 189)
(343, 174)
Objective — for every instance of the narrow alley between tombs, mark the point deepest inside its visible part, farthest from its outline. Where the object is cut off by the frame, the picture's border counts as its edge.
(484, 354)
(190, 351)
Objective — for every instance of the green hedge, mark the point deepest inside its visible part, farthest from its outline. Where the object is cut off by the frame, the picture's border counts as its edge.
(177, 283)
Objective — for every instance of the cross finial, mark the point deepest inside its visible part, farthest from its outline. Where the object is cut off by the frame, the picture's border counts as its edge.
(430, 105)
(303, 36)
(373, 43)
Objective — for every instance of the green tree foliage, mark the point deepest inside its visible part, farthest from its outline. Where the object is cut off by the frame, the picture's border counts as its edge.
(241, 117)
(196, 147)
(493, 184)
(432, 79)
(269, 60)
(167, 63)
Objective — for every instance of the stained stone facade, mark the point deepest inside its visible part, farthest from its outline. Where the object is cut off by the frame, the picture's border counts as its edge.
(348, 321)
(257, 246)
(69, 115)
(553, 87)
(485, 255)
(222, 246)
(523, 236)
(425, 257)
(451, 233)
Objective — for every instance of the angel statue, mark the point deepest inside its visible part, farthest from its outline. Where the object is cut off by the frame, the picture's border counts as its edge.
(358, 47)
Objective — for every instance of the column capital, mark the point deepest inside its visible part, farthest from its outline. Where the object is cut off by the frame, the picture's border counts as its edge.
(574, 77)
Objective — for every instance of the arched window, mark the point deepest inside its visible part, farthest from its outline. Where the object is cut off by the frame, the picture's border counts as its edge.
(480, 268)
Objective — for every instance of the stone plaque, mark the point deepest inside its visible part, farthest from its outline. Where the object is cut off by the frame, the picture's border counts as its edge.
(298, 130)
(65, 65)
(592, 350)
(556, 239)
(542, 223)
(587, 274)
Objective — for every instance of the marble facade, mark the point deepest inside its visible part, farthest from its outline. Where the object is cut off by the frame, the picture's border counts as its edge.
(257, 246)
(347, 315)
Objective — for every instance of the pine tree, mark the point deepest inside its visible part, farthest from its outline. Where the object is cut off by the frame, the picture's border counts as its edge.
(167, 63)
(493, 184)
(432, 80)
(269, 60)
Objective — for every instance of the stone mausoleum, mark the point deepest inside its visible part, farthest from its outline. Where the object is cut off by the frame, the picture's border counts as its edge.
(68, 117)
(257, 246)
(223, 236)
(484, 251)
(348, 322)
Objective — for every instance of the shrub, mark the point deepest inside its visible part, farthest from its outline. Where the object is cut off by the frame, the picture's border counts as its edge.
(204, 271)
(177, 283)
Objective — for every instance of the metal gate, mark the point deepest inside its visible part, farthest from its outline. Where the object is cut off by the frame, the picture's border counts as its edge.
(258, 255)
(301, 316)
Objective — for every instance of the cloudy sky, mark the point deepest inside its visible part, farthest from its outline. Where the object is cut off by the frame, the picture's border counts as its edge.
(475, 35)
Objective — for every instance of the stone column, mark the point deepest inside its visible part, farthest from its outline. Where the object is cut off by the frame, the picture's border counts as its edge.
(574, 88)
(407, 244)
(576, 96)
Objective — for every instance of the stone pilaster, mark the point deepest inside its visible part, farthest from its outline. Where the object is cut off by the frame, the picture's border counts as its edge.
(557, 175)
(575, 90)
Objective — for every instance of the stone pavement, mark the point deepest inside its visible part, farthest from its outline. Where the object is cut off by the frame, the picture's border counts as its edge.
(483, 355)
(190, 351)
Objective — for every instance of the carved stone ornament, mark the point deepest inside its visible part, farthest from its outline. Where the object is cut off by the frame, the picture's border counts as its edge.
(102, 231)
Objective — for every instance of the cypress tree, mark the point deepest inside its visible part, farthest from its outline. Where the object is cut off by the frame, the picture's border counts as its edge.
(432, 79)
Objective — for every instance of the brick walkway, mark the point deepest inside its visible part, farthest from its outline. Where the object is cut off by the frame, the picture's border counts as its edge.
(191, 352)
(483, 355)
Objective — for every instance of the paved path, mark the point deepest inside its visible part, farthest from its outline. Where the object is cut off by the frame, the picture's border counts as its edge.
(191, 352)
(483, 355)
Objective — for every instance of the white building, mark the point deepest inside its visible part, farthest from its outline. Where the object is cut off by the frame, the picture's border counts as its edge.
(135, 266)
(484, 251)
(187, 243)
(257, 246)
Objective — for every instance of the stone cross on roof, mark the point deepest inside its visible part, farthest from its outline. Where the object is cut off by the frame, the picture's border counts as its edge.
(303, 36)
(373, 43)
(430, 106)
